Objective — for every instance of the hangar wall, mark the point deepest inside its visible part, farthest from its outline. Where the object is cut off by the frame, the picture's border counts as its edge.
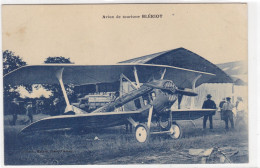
(218, 92)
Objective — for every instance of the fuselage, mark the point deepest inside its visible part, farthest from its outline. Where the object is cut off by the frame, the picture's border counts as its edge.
(158, 93)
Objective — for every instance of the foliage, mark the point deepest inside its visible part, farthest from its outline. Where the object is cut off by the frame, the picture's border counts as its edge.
(56, 89)
(11, 62)
(57, 93)
(60, 60)
(9, 95)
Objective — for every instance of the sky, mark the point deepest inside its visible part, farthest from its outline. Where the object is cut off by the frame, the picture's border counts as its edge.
(217, 32)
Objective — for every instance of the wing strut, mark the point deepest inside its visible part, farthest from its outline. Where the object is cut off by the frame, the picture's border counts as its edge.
(136, 77)
(193, 89)
(130, 119)
(59, 77)
(163, 73)
(132, 84)
(150, 117)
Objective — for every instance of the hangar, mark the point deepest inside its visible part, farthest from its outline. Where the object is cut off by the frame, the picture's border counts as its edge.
(227, 81)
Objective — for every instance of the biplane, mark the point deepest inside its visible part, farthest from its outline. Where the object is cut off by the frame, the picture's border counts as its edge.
(155, 88)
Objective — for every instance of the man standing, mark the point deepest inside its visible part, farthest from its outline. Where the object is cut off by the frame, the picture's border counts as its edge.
(241, 117)
(228, 113)
(208, 104)
(15, 110)
(29, 111)
(58, 107)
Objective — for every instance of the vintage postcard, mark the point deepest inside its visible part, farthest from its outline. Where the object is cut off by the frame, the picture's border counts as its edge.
(112, 84)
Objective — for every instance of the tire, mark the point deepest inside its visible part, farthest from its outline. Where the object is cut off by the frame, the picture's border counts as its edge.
(176, 131)
(142, 133)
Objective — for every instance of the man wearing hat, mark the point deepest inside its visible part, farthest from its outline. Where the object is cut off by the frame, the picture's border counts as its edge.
(208, 104)
(15, 110)
(228, 114)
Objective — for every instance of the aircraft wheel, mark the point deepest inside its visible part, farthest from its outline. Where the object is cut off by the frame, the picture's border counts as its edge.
(141, 133)
(175, 131)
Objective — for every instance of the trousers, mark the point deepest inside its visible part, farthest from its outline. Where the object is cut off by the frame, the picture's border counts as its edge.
(14, 119)
(210, 121)
(228, 117)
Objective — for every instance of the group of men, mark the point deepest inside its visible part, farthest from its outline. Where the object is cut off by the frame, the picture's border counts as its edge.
(226, 110)
(16, 109)
(56, 107)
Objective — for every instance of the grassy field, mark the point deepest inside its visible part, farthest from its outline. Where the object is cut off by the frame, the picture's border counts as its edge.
(115, 146)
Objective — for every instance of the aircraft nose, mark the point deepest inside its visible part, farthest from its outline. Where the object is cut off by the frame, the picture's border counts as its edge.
(170, 86)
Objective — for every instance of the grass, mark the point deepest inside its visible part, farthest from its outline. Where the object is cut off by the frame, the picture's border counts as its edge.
(117, 147)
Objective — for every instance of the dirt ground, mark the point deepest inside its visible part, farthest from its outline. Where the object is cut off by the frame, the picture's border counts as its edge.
(115, 146)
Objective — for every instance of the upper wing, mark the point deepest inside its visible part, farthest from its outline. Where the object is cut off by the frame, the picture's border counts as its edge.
(188, 114)
(91, 120)
(92, 74)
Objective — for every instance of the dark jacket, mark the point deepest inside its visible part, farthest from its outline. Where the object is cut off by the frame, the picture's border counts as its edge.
(221, 104)
(209, 104)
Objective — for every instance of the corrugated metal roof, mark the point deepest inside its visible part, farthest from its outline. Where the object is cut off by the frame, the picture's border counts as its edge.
(237, 70)
(234, 68)
(144, 59)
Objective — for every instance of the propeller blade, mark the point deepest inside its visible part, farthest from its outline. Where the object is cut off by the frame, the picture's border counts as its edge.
(186, 93)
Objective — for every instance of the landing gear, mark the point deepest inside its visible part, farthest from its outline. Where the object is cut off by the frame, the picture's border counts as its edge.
(170, 127)
(164, 123)
(142, 130)
(175, 131)
(142, 133)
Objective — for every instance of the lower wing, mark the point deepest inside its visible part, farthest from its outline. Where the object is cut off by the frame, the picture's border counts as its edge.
(91, 120)
(191, 114)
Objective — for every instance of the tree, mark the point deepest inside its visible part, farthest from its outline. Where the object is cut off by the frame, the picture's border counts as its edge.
(11, 62)
(55, 89)
(60, 60)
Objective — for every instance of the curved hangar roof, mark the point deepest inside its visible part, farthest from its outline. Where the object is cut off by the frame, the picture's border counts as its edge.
(184, 58)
